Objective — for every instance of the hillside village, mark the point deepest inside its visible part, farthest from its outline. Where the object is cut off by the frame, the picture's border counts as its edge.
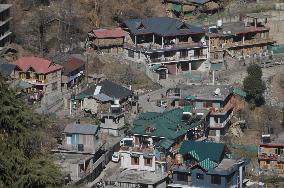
(172, 93)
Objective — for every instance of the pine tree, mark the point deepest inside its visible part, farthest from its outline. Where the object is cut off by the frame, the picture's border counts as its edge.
(22, 164)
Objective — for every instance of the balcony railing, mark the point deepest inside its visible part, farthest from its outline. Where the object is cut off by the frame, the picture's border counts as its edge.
(249, 42)
(154, 47)
(75, 148)
(35, 81)
(271, 156)
(176, 58)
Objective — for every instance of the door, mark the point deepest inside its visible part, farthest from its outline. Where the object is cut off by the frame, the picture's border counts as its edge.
(69, 140)
(163, 74)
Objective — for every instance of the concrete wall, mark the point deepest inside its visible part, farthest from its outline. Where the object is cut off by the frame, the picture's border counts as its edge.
(111, 127)
(52, 79)
(126, 162)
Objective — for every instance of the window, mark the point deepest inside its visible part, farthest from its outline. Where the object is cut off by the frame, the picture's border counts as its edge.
(182, 177)
(199, 176)
(183, 53)
(215, 180)
(147, 162)
(183, 38)
(130, 53)
(54, 86)
(267, 162)
(134, 160)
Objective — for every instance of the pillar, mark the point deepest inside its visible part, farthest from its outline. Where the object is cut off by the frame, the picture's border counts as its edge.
(135, 40)
(243, 38)
(153, 39)
(162, 42)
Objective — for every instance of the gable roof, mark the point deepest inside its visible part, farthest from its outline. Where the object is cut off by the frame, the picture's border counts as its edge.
(167, 125)
(81, 129)
(72, 64)
(163, 26)
(107, 90)
(201, 151)
(109, 33)
(39, 65)
(7, 69)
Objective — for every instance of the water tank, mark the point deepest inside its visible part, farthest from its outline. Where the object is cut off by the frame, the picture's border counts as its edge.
(116, 101)
(179, 159)
(219, 23)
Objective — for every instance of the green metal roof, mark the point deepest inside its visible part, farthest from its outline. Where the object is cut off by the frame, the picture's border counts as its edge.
(201, 150)
(239, 92)
(207, 164)
(165, 143)
(167, 124)
(176, 7)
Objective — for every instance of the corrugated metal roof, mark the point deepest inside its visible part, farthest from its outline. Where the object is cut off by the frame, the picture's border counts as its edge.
(166, 143)
(207, 164)
(109, 33)
(81, 129)
(202, 150)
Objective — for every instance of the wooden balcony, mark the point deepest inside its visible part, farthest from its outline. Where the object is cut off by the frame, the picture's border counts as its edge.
(249, 42)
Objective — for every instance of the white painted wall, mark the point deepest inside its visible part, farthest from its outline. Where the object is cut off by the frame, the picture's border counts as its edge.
(126, 162)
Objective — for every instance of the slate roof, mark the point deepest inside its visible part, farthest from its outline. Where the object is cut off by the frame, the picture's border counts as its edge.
(81, 129)
(108, 89)
(7, 69)
(162, 26)
(40, 65)
(109, 33)
(201, 150)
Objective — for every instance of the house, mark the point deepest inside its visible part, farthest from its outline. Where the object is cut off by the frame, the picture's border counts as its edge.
(205, 164)
(135, 178)
(83, 152)
(271, 157)
(218, 99)
(82, 138)
(156, 136)
(73, 69)
(107, 91)
(5, 18)
(107, 40)
(190, 8)
(242, 39)
(44, 75)
(171, 48)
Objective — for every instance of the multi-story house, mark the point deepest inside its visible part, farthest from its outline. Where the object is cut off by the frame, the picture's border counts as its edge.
(5, 18)
(44, 75)
(243, 39)
(158, 135)
(218, 99)
(166, 45)
(205, 164)
(271, 157)
(80, 152)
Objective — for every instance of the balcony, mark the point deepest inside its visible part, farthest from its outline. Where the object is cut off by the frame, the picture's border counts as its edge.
(175, 58)
(150, 48)
(73, 148)
(249, 42)
(271, 156)
(36, 82)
